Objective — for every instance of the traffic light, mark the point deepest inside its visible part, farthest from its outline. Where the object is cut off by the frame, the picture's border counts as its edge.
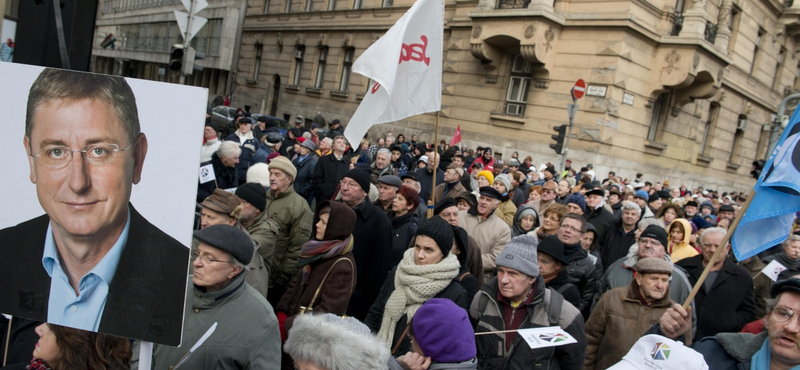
(758, 166)
(190, 57)
(176, 58)
(559, 138)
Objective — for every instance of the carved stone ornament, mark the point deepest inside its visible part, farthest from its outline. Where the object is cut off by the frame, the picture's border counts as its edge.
(323, 37)
(347, 40)
(549, 36)
(672, 59)
(476, 31)
(696, 61)
(529, 31)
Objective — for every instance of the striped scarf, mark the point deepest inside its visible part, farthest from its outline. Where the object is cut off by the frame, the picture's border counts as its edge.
(315, 250)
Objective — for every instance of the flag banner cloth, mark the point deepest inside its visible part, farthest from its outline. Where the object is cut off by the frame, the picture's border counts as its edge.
(456, 137)
(768, 220)
(405, 68)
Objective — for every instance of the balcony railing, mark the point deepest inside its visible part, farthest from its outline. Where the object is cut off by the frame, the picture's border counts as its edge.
(710, 33)
(677, 24)
(512, 4)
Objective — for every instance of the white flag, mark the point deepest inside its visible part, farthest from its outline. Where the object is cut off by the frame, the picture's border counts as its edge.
(207, 173)
(406, 68)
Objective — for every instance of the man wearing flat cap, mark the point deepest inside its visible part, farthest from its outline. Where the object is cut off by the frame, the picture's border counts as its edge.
(626, 313)
(490, 232)
(246, 334)
(388, 185)
(517, 299)
(294, 218)
(549, 192)
(372, 241)
(451, 187)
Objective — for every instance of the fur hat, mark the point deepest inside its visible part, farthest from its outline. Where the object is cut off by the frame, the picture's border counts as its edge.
(328, 341)
(284, 164)
(520, 254)
(259, 173)
(443, 331)
(224, 202)
(361, 176)
(440, 231)
(254, 194)
(229, 239)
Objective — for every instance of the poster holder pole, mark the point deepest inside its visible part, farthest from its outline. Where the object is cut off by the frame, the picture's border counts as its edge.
(145, 355)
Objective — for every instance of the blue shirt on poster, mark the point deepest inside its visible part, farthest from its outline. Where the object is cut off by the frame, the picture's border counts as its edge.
(85, 309)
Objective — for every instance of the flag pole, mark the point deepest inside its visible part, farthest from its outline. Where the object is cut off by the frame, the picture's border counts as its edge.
(718, 253)
(435, 155)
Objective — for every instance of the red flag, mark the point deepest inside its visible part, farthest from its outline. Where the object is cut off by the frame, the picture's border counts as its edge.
(456, 137)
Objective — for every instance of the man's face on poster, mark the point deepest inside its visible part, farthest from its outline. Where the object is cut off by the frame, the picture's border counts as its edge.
(82, 198)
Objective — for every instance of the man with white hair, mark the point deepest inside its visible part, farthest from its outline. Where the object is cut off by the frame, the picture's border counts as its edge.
(726, 302)
(325, 146)
(382, 165)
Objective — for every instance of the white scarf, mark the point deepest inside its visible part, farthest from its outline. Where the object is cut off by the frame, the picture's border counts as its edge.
(414, 285)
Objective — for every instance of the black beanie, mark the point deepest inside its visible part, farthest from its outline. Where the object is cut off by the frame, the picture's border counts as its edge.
(361, 176)
(440, 231)
(656, 232)
(253, 193)
(442, 204)
(229, 239)
(653, 197)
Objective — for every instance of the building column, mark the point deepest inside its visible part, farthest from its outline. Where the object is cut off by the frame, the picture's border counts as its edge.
(723, 25)
(694, 20)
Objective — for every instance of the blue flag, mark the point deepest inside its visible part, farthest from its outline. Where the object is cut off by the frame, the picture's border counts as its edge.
(769, 218)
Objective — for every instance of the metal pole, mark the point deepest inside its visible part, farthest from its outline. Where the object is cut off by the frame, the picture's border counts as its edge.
(571, 109)
(435, 168)
(776, 132)
(186, 39)
(62, 43)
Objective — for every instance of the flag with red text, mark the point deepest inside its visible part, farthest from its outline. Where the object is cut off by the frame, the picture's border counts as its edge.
(456, 136)
(405, 68)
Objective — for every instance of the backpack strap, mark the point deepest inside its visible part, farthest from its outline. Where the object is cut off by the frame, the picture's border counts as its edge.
(322, 283)
(556, 301)
(461, 278)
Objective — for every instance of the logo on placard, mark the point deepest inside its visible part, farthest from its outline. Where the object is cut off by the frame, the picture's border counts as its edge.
(660, 352)
(415, 52)
(553, 337)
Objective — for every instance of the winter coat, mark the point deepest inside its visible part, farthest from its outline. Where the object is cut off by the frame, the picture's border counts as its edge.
(466, 365)
(264, 231)
(585, 273)
(225, 178)
(246, 159)
(305, 172)
(682, 249)
(426, 182)
(334, 294)
(327, 174)
(246, 336)
(452, 191)
(792, 266)
(376, 173)
(489, 166)
(506, 211)
(730, 351)
(516, 228)
(617, 322)
(562, 285)
(729, 305)
(403, 230)
(453, 292)
(372, 240)
(256, 273)
(520, 194)
(491, 234)
(487, 312)
(294, 219)
(602, 220)
(761, 283)
(616, 245)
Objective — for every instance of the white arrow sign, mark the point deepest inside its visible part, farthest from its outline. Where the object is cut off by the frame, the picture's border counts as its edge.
(198, 5)
(183, 20)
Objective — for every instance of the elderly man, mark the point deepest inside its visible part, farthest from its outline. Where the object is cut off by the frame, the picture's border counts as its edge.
(597, 214)
(86, 151)
(336, 129)
(257, 221)
(246, 334)
(372, 242)
(621, 236)
(489, 231)
(225, 208)
(382, 165)
(451, 186)
(624, 314)
(582, 270)
(789, 257)
(726, 302)
(548, 196)
(517, 299)
(388, 185)
(294, 219)
(330, 169)
(773, 349)
(325, 146)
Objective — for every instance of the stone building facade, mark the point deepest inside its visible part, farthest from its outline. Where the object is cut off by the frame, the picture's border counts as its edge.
(678, 90)
(146, 30)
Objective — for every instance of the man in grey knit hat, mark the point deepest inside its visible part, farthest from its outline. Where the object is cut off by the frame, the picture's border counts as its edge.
(517, 299)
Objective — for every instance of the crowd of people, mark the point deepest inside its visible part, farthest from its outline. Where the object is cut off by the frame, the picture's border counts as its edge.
(315, 254)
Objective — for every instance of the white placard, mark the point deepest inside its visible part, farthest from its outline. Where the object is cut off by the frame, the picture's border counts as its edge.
(773, 270)
(207, 173)
(546, 337)
(594, 90)
(627, 98)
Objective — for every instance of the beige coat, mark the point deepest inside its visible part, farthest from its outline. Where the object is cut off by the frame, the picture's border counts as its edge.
(491, 234)
(506, 211)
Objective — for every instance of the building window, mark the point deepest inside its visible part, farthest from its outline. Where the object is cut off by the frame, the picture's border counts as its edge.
(757, 48)
(733, 24)
(520, 81)
(741, 126)
(331, 4)
(659, 108)
(309, 4)
(287, 6)
(779, 68)
(357, 4)
(266, 6)
(387, 3)
(257, 65)
(323, 57)
(713, 114)
(298, 64)
(347, 65)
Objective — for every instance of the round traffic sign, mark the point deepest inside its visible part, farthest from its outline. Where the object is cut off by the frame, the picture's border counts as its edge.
(579, 89)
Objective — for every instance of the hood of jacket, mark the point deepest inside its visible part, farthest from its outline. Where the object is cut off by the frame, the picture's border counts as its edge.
(341, 221)
(687, 233)
(516, 229)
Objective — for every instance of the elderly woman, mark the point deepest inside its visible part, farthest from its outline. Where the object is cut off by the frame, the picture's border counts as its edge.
(61, 348)
(327, 268)
(551, 221)
(225, 174)
(404, 222)
(525, 220)
(427, 271)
